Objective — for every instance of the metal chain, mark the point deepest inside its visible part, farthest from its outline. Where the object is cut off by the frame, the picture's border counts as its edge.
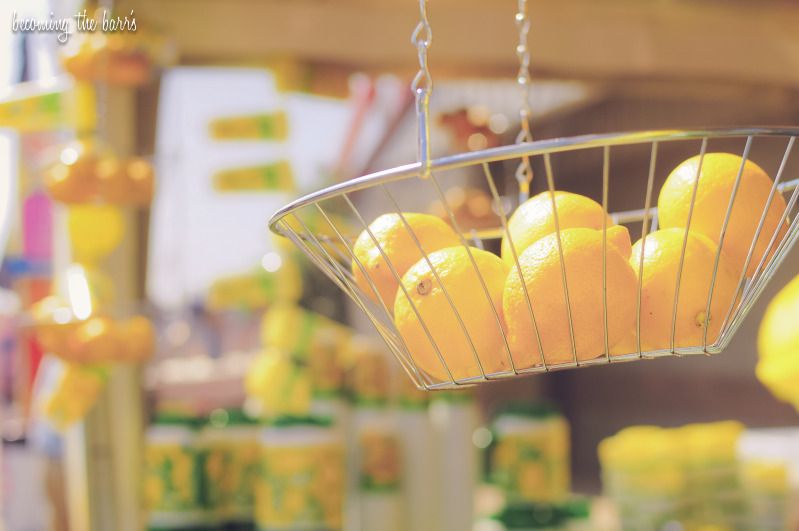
(524, 173)
(422, 86)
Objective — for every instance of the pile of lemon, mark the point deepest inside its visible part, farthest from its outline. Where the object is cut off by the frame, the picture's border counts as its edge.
(513, 307)
(302, 358)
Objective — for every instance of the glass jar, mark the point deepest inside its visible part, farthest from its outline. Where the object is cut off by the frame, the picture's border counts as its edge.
(531, 453)
(231, 465)
(302, 478)
(173, 489)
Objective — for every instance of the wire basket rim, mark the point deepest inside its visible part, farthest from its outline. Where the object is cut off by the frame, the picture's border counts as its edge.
(538, 147)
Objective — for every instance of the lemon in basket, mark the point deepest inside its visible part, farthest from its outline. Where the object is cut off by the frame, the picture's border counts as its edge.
(460, 283)
(713, 194)
(778, 345)
(662, 250)
(543, 278)
(400, 246)
(535, 219)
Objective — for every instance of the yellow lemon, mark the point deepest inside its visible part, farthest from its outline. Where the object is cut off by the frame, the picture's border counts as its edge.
(662, 252)
(778, 344)
(290, 328)
(461, 282)
(713, 194)
(543, 278)
(399, 245)
(94, 230)
(535, 219)
(280, 385)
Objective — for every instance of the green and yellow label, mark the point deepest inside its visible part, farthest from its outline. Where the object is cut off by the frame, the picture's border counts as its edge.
(300, 487)
(263, 126)
(172, 478)
(231, 470)
(533, 466)
(276, 176)
(380, 461)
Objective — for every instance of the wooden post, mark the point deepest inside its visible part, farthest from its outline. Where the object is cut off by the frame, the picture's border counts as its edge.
(103, 454)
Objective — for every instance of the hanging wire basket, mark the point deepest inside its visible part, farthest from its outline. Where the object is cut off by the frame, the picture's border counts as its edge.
(326, 225)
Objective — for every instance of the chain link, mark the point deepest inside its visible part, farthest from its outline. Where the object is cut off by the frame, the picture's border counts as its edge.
(422, 86)
(524, 173)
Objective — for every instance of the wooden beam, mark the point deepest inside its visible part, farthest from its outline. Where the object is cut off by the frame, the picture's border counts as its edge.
(611, 39)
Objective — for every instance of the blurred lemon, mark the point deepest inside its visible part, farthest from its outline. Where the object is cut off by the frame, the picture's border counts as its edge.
(462, 284)
(542, 271)
(713, 194)
(399, 245)
(280, 385)
(290, 328)
(94, 231)
(778, 345)
(704, 443)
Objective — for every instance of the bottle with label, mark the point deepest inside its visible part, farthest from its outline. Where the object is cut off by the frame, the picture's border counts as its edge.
(326, 371)
(455, 418)
(377, 445)
(302, 480)
(173, 472)
(420, 481)
(530, 457)
(641, 473)
(231, 466)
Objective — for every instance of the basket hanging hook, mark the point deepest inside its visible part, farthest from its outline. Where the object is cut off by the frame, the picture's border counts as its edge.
(422, 86)
(524, 173)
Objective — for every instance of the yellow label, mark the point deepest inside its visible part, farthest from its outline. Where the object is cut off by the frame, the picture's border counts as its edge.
(380, 461)
(266, 126)
(172, 478)
(34, 113)
(231, 469)
(30, 107)
(301, 486)
(327, 373)
(264, 178)
(533, 466)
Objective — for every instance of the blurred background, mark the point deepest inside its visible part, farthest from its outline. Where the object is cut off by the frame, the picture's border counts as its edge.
(167, 363)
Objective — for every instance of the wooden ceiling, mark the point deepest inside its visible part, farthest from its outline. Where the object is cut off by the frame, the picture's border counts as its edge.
(756, 42)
